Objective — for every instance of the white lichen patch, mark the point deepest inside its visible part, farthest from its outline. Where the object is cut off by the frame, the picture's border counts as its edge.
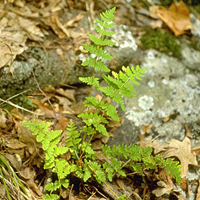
(123, 37)
(196, 25)
(150, 55)
(140, 118)
(151, 84)
(145, 102)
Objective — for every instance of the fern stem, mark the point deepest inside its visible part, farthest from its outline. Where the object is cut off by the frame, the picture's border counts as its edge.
(93, 75)
(82, 152)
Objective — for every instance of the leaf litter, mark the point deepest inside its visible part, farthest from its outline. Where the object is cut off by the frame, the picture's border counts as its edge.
(21, 149)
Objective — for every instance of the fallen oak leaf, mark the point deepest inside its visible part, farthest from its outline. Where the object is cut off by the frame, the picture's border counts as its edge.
(181, 150)
(177, 18)
(162, 189)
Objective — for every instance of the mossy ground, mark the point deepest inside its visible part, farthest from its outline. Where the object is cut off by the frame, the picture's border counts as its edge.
(162, 41)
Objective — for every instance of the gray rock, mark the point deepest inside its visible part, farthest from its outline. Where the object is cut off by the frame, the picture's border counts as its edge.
(169, 89)
(54, 70)
(191, 58)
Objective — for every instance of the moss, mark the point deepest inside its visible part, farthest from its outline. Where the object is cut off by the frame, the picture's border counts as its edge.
(166, 2)
(161, 41)
(188, 2)
(194, 9)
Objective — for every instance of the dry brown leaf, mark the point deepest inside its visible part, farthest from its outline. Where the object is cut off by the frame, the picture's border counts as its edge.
(162, 189)
(31, 28)
(198, 192)
(184, 184)
(157, 24)
(27, 174)
(177, 17)
(14, 160)
(27, 138)
(53, 23)
(72, 22)
(153, 11)
(166, 119)
(181, 150)
(196, 150)
(15, 144)
(2, 191)
(62, 124)
(78, 108)
(147, 128)
(61, 26)
(97, 145)
(47, 110)
(158, 148)
(2, 120)
(67, 93)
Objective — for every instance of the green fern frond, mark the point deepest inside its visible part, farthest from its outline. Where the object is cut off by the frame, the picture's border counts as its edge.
(63, 168)
(113, 82)
(57, 184)
(108, 15)
(38, 128)
(78, 143)
(140, 158)
(49, 160)
(98, 51)
(98, 64)
(100, 41)
(109, 171)
(88, 129)
(74, 137)
(60, 151)
(50, 197)
(90, 62)
(97, 171)
(117, 166)
(119, 99)
(101, 66)
(87, 171)
(53, 186)
(105, 24)
(96, 120)
(89, 152)
(51, 139)
(108, 91)
(102, 31)
(91, 118)
(51, 153)
(90, 81)
(48, 138)
(120, 86)
(175, 168)
(107, 107)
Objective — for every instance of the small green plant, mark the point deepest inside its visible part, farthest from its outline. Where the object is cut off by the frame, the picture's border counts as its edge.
(84, 163)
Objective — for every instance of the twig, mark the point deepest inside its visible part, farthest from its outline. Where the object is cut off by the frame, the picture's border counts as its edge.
(5, 101)
(54, 112)
(14, 105)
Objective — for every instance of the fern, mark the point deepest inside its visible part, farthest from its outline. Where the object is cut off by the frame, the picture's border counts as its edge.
(51, 197)
(83, 159)
(109, 109)
(139, 158)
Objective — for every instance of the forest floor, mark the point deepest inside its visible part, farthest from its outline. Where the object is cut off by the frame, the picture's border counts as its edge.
(22, 155)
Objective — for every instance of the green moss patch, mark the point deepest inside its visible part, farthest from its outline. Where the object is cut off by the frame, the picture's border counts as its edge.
(161, 41)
